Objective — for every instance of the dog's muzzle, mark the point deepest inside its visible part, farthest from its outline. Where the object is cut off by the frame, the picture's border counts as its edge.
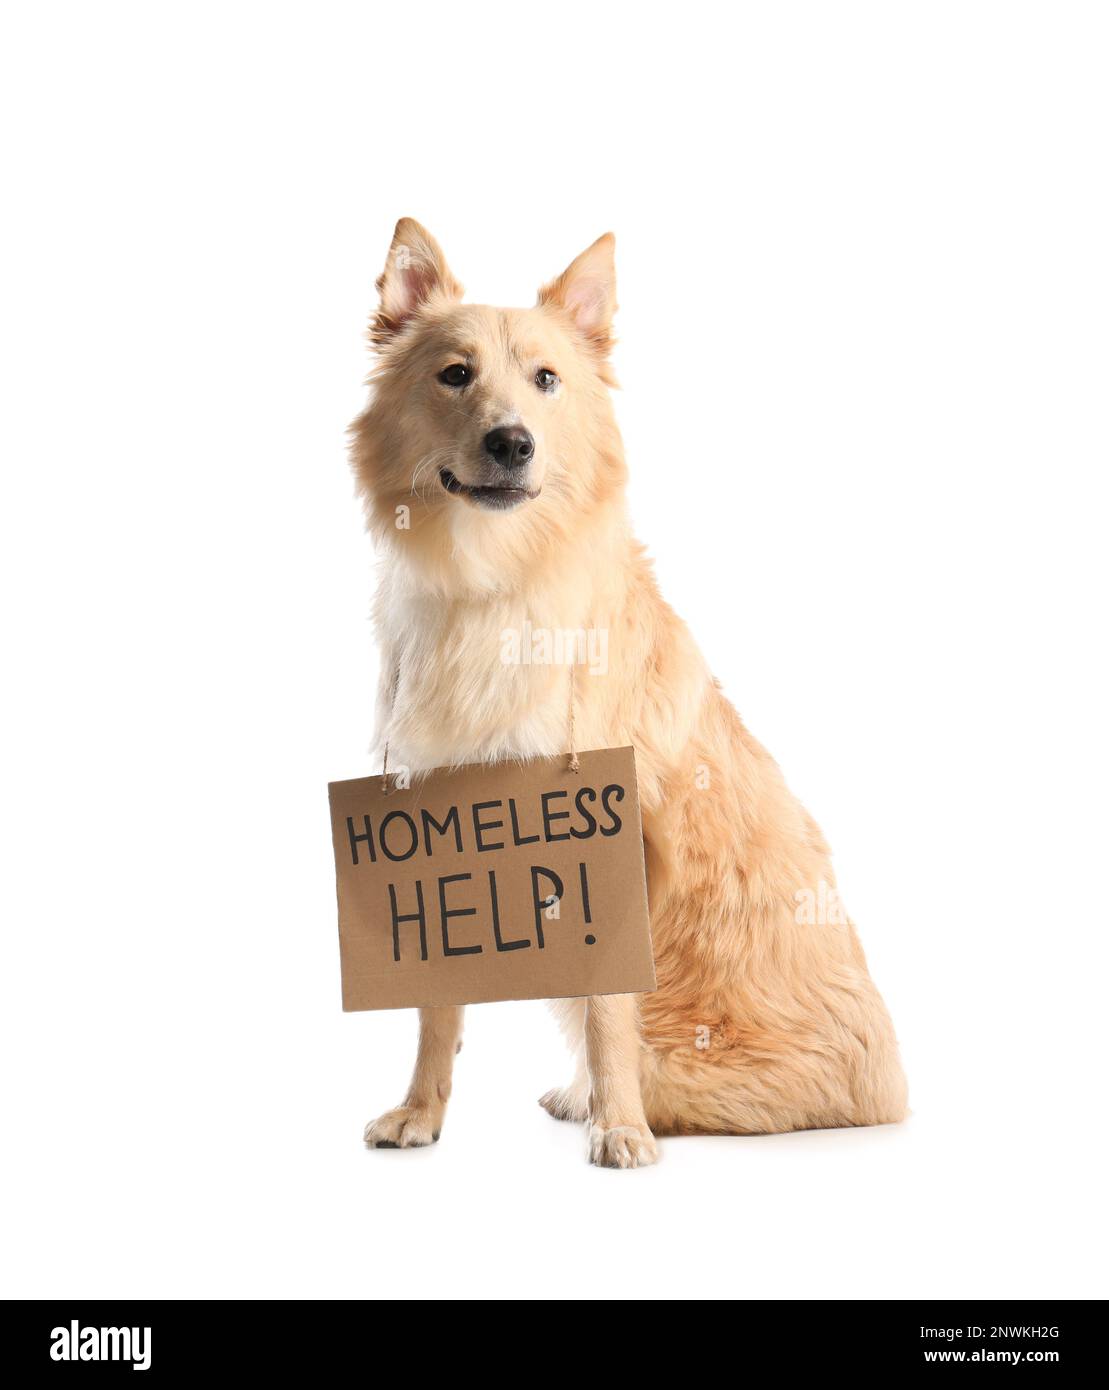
(496, 497)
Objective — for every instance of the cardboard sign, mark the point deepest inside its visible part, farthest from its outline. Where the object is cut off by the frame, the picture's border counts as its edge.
(499, 881)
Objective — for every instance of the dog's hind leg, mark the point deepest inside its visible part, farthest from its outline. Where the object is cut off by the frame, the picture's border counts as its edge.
(785, 1083)
(419, 1119)
(570, 1102)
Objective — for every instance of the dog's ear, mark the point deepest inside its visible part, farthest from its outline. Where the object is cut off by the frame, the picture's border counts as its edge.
(415, 272)
(586, 290)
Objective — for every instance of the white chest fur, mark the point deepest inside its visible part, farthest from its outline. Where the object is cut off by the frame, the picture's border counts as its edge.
(468, 686)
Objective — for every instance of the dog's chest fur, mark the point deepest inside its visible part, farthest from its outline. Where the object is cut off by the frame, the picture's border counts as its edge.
(466, 686)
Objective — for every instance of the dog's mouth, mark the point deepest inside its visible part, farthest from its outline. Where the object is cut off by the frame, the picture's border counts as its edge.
(496, 499)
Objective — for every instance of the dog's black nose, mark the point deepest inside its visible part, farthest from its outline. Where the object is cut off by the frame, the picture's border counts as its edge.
(511, 446)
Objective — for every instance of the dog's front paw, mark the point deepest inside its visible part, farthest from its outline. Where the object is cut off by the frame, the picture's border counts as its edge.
(406, 1127)
(622, 1146)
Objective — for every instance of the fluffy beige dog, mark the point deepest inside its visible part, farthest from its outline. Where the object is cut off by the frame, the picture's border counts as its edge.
(494, 475)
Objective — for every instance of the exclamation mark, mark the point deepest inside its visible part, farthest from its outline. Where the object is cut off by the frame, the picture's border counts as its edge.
(590, 939)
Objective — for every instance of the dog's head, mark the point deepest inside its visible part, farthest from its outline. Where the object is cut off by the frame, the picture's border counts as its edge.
(490, 430)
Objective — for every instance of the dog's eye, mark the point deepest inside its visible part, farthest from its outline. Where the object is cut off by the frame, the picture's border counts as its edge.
(455, 375)
(545, 379)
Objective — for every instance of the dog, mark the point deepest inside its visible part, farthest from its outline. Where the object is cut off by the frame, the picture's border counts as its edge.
(493, 477)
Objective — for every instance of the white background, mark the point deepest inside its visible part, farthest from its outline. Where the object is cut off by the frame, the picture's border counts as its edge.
(863, 278)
